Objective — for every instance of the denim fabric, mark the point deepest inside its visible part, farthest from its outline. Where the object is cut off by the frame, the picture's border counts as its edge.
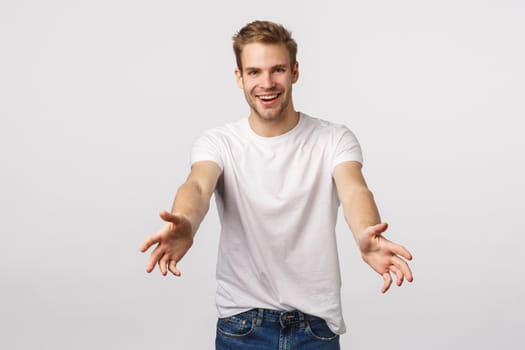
(262, 329)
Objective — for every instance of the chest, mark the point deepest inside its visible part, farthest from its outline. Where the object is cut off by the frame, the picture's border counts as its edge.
(287, 170)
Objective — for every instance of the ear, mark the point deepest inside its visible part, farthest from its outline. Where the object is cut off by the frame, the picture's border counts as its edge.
(238, 77)
(295, 72)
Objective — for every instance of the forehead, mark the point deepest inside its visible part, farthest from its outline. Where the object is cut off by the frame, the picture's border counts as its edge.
(264, 55)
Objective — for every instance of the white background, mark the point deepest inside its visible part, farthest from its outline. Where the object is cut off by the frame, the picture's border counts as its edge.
(100, 102)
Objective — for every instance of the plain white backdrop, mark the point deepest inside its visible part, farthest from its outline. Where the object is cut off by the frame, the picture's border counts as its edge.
(100, 102)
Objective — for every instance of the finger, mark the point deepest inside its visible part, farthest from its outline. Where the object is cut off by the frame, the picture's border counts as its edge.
(148, 242)
(398, 273)
(170, 217)
(155, 257)
(172, 266)
(388, 282)
(163, 264)
(400, 250)
(403, 267)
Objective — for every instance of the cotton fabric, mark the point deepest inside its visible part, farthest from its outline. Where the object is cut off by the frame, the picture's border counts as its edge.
(278, 205)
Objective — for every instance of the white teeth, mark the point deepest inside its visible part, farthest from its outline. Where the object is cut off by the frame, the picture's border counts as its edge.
(271, 97)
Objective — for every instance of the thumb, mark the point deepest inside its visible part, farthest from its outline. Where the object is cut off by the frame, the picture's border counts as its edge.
(378, 229)
(170, 217)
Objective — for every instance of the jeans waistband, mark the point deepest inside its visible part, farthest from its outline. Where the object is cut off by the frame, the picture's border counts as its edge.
(285, 318)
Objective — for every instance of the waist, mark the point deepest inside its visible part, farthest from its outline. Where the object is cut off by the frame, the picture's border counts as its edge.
(285, 318)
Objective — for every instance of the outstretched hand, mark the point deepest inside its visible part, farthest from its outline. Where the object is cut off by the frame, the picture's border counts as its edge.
(173, 241)
(385, 256)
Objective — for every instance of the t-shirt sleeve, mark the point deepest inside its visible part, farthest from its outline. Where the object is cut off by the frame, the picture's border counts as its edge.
(207, 147)
(347, 147)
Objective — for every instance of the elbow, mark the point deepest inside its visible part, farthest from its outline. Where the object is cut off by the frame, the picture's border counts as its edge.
(359, 192)
(196, 188)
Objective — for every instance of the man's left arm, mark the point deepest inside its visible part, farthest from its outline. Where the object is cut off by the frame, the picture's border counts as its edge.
(361, 214)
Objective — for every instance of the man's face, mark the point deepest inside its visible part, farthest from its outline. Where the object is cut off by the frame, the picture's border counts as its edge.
(267, 79)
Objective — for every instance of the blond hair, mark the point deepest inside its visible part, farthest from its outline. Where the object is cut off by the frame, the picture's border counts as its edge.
(263, 32)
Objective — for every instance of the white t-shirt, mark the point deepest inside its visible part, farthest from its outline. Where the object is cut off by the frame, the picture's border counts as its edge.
(278, 204)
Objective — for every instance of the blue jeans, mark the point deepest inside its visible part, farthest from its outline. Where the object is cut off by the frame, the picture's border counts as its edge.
(262, 329)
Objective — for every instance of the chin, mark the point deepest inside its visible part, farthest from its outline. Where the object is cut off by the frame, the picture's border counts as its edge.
(270, 116)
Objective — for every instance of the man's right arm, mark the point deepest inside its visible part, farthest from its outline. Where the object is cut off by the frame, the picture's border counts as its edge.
(191, 204)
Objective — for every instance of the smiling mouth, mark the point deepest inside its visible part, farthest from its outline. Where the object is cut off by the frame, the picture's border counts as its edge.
(268, 98)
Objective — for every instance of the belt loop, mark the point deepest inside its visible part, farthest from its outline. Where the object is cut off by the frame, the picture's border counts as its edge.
(302, 320)
(259, 317)
(301, 316)
(281, 316)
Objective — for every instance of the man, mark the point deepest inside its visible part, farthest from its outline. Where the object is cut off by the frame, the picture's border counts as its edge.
(279, 177)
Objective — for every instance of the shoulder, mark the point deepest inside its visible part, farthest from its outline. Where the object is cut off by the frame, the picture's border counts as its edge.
(325, 127)
(219, 136)
(214, 143)
(229, 130)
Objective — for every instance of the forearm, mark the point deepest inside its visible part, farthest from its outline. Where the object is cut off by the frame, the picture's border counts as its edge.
(192, 203)
(360, 211)
(362, 216)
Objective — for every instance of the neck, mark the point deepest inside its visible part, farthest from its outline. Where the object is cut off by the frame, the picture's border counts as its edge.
(275, 126)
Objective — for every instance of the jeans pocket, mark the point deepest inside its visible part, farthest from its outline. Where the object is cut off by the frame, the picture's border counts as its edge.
(318, 329)
(239, 325)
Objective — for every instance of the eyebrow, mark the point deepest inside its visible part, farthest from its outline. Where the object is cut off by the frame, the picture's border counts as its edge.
(272, 67)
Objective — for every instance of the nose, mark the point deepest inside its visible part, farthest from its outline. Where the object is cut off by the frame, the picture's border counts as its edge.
(267, 81)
